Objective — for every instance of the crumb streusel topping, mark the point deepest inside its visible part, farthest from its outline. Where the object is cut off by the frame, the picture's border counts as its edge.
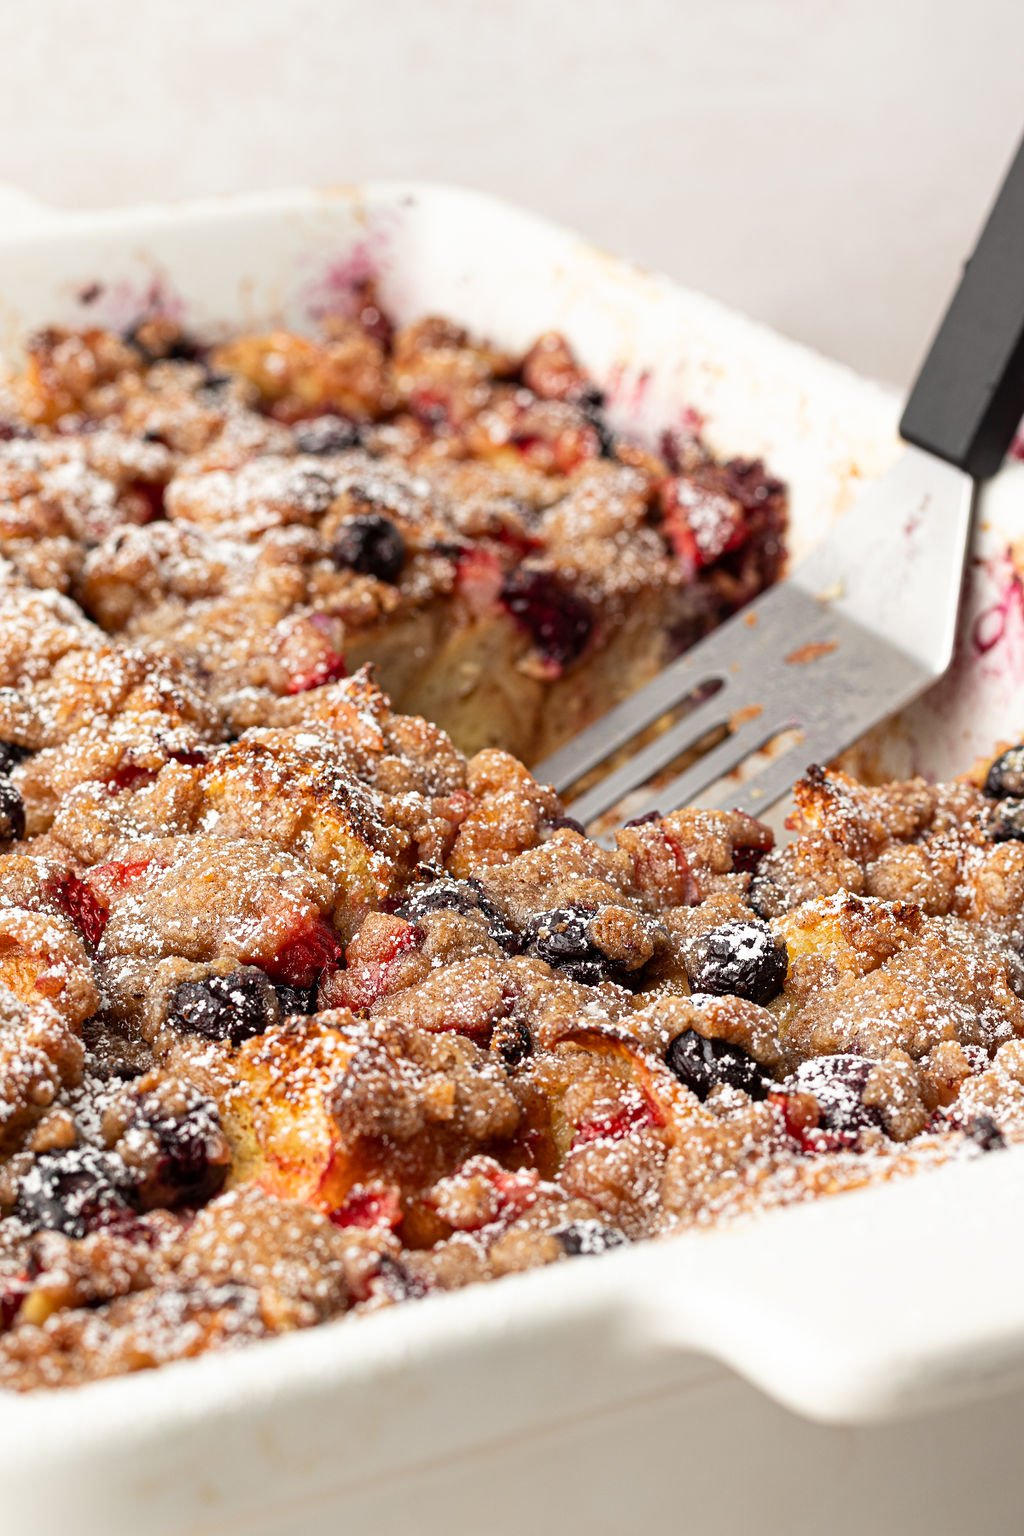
(302, 1010)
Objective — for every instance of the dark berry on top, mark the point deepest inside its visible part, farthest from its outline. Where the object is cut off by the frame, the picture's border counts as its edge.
(701, 1064)
(233, 1007)
(1006, 775)
(12, 813)
(466, 896)
(984, 1132)
(181, 348)
(742, 959)
(326, 434)
(562, 938)
(559, 623)
(1006, 822)
(213, 387)
(192, 1157)
(765, 895)
(644, 820)
(512, 1041)
(837, 1083)
(10, 756)
(568, 824)
(588, 1237)
(74, 1191)
(370, 544)
(746, 857)
(295, 999)
(591, 402)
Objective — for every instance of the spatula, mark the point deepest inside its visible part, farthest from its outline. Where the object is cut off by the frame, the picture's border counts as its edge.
(865, 623)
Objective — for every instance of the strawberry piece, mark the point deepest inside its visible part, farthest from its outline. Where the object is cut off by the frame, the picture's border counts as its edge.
(799, 1119)
(370, 1206)
(129, 776)
(478, 579)
(122, 872)
(13, 1290)
(505, 1194)
(329, 669)
(516, 1190)
(304, 957)
(371, 959)
(636, 1113)
(148, 498)
(702, 524)
(78, 903)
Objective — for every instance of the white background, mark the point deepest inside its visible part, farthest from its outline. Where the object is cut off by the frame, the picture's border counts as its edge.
(822, 164)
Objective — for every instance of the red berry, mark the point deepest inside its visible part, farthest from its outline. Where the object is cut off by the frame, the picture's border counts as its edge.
(128, 776)
(636, 1113)
(13, 1290)
(372, 1205)
(76, 900)
(304, 957)
(558, 623)
(328, 669)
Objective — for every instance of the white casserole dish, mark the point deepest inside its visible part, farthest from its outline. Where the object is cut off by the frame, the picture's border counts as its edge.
(601, 1395)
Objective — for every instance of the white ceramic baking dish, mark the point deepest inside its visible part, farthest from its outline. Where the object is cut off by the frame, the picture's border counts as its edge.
(658, 1383)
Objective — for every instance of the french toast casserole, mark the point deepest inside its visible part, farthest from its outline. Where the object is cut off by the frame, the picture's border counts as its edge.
(312, 999)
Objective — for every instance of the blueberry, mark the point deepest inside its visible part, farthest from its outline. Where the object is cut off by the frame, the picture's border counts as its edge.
(561, 937)
(701, 1064)
(182, 349)
(465, 896)
(234, 1007)
(326, 434)
(765, 895)
(559, 624)
(12, 813)
(1006, 775)
(984, 1132)
(1006, 822)
(10, 756)
(512, 1041)
(568, 824)
(837, 1083)
(370, 544)
(591, 402)
(73, 1191)
(295, 999)
(184, 1173)
(396, 1281)
(746, 857)
(742, 959)
(588, 1237)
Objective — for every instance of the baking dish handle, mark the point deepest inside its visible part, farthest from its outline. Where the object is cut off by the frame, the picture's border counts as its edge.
(21, 214)
(866, 1307)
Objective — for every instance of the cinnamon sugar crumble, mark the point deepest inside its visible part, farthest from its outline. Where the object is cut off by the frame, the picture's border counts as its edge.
(302, 1010)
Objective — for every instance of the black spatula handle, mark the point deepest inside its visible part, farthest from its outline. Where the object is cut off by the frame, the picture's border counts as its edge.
(968, 399)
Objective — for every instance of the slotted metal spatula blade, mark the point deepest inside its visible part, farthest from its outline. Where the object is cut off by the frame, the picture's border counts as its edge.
(824, 656)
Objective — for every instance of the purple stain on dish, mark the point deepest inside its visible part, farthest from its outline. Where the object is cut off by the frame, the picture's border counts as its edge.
(992, 627)
(120, 305)
(626, 391)
(334, 287)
